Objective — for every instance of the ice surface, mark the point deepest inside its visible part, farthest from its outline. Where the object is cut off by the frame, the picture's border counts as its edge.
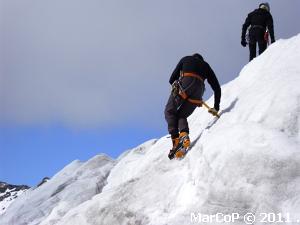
(13, 194)
(76, 183)
(247, 161)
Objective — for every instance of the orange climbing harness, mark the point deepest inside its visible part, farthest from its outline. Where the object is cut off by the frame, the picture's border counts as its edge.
(183, 94)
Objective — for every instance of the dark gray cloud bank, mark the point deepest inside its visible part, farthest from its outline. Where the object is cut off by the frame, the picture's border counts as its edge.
(88, 63)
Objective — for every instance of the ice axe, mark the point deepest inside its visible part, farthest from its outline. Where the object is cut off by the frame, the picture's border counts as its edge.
(207, 106)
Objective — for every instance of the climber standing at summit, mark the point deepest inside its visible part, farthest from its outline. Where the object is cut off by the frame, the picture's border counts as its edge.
(187, 82)
(260, 24)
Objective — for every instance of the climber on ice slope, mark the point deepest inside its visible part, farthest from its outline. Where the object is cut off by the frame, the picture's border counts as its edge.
(188, 87)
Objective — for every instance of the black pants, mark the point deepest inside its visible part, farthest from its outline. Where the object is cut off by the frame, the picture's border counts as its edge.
(256, 36)
(178, 110)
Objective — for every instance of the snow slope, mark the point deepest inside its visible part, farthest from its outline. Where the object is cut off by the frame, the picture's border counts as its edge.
(5, 203)
(247, 161)
(9, 193)
(76, 183)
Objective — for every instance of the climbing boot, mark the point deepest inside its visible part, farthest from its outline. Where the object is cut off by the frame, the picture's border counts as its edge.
(175, 142)
(184, 144)
(184, 139)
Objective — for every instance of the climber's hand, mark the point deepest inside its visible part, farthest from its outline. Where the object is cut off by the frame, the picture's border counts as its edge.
(213, 111)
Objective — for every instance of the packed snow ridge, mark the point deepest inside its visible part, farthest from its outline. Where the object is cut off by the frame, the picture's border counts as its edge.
(247, 161)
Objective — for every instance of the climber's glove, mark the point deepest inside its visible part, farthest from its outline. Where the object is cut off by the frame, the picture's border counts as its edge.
(213, 111)
(243, 43)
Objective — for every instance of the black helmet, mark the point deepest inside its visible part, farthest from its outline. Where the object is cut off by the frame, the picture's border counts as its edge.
(265, 6)
(198, 56)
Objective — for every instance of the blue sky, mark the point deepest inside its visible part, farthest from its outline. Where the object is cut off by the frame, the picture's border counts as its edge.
(31, 153)
(83, 77)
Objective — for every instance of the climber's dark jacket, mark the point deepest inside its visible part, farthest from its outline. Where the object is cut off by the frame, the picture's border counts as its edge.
(196, 65)
(259, 19)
